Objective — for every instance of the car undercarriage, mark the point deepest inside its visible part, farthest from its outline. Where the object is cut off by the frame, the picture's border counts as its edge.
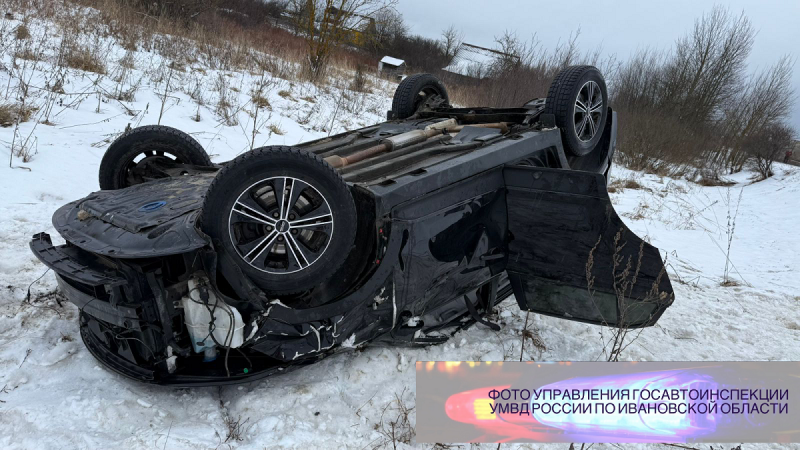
(191, 273)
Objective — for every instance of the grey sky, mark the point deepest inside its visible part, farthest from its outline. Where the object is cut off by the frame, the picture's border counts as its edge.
(620, 27)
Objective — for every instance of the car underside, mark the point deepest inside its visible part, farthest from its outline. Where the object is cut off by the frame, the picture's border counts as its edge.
(403, 233)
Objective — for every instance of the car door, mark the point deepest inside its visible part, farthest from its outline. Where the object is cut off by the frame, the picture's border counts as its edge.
(571, 256)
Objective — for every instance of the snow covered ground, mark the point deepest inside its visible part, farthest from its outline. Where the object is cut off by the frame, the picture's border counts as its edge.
(53, 394)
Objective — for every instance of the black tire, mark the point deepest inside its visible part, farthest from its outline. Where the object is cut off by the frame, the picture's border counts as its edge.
(238, 214)
(569, 89)
(152, 141)
(413, 91)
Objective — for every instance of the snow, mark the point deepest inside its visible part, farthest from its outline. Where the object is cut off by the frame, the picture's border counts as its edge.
(55, 395)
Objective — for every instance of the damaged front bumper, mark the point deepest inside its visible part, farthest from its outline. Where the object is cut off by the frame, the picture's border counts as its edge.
(129, 322)
(143, 330)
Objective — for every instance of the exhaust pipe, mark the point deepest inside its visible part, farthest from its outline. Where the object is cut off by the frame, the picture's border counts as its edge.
(406, 139)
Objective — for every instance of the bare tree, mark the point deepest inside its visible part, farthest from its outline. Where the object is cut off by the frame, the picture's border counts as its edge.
(451, 40)
(708, 65)
(765, 101)
(691, 111)
(327, 24)
(389, 26)
(511, 51)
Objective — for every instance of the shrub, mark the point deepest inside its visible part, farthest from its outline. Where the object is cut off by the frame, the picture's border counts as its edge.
(261, 102)
(22, 32)
(83, 58)
(11, 113)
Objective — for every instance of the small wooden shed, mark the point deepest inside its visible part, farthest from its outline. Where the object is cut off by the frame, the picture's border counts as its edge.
(392, 67)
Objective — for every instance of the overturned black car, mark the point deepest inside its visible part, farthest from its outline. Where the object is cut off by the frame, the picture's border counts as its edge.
(191, 273)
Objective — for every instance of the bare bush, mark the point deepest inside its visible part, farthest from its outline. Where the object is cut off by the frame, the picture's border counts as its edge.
(236, 428)
(625, 274)
(84, 58)
(766, 146)
(258, 100)
(691, 112)
(708, 65)
(395, 424)
(757, 112)
(227, 108)
(13, 113)
(729, 232)
(359, 82)
(22, 32)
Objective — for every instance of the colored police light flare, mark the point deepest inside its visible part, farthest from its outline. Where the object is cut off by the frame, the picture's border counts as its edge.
(676, 426)
(475, 407)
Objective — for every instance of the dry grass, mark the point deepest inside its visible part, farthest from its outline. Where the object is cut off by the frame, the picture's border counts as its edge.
(712, 179)
(22, 32)
(84, 58)
(625, 272)
(284, 93)
(395, 423)
(222, 41)
(27, 53)
(359, 81)
(624, 183)
(236, 429)
(11, 113)
(276, 129)
(630, 183)
(261, 102)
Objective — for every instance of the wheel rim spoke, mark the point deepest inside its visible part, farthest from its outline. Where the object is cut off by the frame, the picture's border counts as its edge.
(281, 225)
(582, 126)
(321, 213)
(244, 212)
(260, 257)
(588, 111)
(254, 251)
(279, 186)
(312, 224)
(301, 261)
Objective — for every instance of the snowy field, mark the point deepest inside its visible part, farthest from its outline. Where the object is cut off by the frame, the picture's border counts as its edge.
(53, 394)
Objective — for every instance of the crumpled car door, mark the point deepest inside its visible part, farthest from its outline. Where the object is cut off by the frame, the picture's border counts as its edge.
(571, 256)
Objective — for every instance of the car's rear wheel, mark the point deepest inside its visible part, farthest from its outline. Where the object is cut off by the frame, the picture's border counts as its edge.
(414, 91)
(579, 101)
(285, 217)
(142, 145)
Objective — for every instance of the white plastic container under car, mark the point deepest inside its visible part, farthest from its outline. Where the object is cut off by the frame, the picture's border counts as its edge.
(228, 327)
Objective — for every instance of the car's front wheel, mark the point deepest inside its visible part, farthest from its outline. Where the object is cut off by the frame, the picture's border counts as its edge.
(285, 217)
